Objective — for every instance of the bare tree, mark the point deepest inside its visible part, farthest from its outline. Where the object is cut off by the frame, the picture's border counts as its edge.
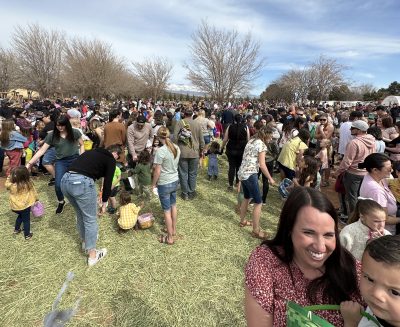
(314, 82)
(8, 70)
(39, 54)
(222, 63)
(129, 86)
(154, 73)
(325, 73)
(298, 82)
(91, 68)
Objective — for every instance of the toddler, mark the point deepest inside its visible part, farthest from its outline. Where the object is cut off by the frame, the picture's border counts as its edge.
(306, 175)
(212, 153)
(128, 212)
(143, 172)
(22, 196)
(366, 223)
(323, 155)
(379, 285)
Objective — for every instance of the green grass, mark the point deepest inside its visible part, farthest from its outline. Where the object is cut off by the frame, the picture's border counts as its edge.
(196, 282)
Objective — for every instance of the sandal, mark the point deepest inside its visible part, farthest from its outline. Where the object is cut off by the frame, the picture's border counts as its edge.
(245, 223)
(260, 235)
(164, 239)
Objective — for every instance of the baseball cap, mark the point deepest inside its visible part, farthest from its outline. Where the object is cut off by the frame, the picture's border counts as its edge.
(141, 119)
(360, 124)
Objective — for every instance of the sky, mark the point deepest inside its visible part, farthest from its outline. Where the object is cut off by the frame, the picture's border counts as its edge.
(363, 35)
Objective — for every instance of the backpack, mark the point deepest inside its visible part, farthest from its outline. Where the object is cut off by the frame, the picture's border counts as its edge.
(185, 134)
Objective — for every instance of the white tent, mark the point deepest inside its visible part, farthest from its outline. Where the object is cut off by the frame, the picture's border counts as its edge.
(390, 100)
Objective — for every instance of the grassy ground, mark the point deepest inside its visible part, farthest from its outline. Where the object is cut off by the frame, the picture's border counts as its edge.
(196, 282)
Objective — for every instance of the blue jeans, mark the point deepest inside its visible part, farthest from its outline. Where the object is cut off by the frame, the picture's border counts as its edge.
(212, 165)
(251, 189)
(167, 195)
(61, 166)
(81, 193)
(187, 170)
(49, 157)
(24, 216)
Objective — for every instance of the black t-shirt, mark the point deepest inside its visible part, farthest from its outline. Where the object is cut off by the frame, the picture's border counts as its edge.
(47, 128)
(96, 164)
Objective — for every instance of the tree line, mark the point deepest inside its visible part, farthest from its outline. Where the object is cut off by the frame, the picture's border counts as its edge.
(222, 64)
(322, 79)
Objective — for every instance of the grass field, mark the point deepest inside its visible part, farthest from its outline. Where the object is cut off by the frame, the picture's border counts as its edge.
(196, 282)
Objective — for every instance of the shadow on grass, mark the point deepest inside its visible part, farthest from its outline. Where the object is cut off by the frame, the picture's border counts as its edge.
(130, 310)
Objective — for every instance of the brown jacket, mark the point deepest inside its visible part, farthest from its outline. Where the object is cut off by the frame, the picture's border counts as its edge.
(115, 133)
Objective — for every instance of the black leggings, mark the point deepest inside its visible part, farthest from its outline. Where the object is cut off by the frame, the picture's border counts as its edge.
(234, 164)
(265, 182)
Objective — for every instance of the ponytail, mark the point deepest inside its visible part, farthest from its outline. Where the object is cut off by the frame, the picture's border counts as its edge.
(171, 147)
(163, 133)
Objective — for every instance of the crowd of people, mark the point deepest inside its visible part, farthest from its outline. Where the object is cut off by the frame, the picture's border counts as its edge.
(319, 255)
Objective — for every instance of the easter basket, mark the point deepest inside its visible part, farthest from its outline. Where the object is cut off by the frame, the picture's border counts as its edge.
(297, 315)
(146, 220)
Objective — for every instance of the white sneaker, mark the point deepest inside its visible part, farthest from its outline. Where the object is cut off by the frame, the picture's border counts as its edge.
(100, 254)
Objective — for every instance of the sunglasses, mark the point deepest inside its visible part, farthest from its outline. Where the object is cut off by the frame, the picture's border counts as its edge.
(322, 120)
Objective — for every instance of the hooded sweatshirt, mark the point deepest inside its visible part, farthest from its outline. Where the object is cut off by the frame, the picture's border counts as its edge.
(356, 151)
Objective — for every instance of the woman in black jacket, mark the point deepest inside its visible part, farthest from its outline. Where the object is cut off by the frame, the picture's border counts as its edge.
(236, 137)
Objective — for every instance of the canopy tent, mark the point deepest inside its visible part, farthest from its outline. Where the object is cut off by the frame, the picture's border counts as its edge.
(391, 100)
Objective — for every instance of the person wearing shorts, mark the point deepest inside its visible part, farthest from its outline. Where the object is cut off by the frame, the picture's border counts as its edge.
(165, 178)
(253, 161)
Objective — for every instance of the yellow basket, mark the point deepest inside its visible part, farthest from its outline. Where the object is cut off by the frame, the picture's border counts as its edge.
(88, 144)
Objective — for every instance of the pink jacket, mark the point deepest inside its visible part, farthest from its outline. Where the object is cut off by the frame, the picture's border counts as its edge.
(356, 151)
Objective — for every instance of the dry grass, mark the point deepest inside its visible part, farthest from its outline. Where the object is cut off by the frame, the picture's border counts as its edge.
(196, 282)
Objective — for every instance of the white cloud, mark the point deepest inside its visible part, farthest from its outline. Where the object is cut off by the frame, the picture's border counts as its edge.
(365, 75)
(139, 29)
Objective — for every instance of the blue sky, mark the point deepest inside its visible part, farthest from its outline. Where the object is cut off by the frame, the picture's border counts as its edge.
(364, 35)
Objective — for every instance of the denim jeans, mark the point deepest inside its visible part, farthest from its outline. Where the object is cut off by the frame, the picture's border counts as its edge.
(49, 157)
(251, 189)
(167, 195)
(212, 165)
(187, 170)
(24, 216)
(80, 191)
(61, 166)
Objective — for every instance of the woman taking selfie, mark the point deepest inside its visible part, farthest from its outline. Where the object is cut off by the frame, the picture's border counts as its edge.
(304, 263)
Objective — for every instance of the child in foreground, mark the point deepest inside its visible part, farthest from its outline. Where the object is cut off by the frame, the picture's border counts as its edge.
(22, 196)
(366, 223)
(379, 285)
(128, 212)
